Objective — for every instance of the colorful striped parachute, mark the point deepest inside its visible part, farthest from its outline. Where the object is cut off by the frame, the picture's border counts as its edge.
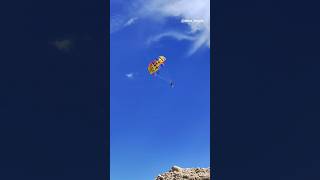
(154, 69)
(155, 65)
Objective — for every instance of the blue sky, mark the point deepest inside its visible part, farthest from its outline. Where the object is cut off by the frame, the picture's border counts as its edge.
(153, 126)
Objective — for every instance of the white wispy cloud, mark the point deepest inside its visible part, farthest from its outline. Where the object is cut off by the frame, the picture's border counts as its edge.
(130, 75)
(173, 34)
(119, 22)
(199, 32)
(130, 21)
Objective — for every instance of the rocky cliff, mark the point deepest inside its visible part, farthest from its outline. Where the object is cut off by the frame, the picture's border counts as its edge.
(178, 173)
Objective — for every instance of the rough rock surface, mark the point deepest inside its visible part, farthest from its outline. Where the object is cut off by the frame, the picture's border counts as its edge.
(178, 173)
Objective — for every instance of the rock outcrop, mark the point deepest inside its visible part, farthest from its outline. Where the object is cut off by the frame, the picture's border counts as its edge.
(178, 173)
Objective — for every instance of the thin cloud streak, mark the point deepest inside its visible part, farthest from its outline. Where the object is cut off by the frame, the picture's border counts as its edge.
(175, 35)
(130, 75)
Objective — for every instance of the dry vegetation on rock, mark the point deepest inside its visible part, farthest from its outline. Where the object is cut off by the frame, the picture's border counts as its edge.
(178, 173)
